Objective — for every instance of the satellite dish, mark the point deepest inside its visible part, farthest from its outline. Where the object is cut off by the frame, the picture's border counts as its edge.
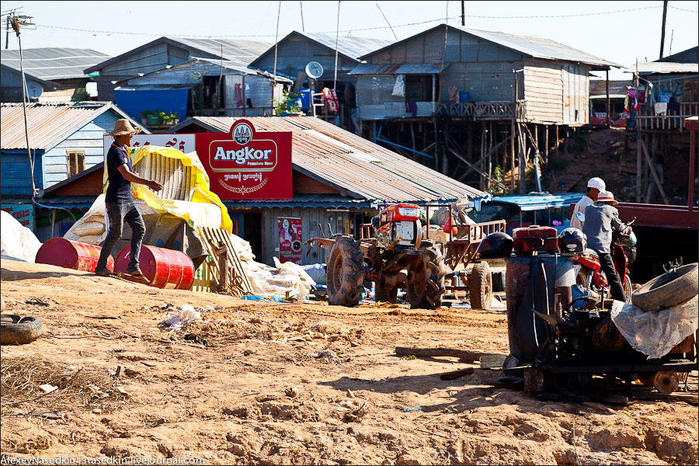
(314, 70)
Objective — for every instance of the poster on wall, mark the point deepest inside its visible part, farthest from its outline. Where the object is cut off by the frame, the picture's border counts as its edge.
(24, 213)
(290, 239)
(247, 164)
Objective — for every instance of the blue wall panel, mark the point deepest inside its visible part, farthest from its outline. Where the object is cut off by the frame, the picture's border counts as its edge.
(14, 173)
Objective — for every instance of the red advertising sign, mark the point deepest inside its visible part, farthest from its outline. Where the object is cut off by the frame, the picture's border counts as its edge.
(290, 239)
(247, 164)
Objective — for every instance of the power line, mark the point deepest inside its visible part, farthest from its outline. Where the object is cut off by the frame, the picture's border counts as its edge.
(415, 23)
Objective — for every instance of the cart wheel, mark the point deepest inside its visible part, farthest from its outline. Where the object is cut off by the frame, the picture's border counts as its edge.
(425, 286)
(666, 381)
(345, 272)
(480, 286)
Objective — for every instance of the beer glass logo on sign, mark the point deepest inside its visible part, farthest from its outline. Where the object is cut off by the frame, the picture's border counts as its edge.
(242, 134)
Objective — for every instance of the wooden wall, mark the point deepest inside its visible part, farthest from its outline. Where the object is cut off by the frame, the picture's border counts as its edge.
(88, 139)
(14, 172)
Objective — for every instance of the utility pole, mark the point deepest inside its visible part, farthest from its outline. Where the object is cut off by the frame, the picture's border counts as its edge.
(662, 31)
(303, 27)
(7, 33)
(17, 21)
(463, 13)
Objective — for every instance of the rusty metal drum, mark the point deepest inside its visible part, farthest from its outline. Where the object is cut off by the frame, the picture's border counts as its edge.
(163, 268)
(71, 255)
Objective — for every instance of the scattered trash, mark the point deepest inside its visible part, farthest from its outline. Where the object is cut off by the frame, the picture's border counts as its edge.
(329, 354)
(492, 361)
(291, 392)
(185, 315)
(355, 413)
(36, 301)
(350, 393)
(194, 338)
(48, 388)
(269, 299)
(412, 408)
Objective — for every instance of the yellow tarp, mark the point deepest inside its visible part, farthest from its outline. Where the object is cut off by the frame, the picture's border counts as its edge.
(198, 182)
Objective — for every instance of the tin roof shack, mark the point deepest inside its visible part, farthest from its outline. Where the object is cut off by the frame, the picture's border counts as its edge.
(667, 93)
(297, 49)
(56, 71)
(165, 51)
(598, 101)
(214, 87)
(497, 90)
(338, 181)
(65, 139)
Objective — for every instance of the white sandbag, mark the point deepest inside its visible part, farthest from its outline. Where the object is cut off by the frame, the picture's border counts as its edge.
(242, 248)
(95, 239)
(89, 229)
(96, 209)
(17, 241)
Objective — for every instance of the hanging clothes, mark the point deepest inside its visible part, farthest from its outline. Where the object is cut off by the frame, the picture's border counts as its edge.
(238, 95)
(331, 100)
(399, 86)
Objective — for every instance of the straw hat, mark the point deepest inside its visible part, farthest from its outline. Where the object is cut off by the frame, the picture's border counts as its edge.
(123, 127)
(607, 196)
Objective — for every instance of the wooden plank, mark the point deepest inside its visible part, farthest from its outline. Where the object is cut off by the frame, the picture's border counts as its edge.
(653, 172)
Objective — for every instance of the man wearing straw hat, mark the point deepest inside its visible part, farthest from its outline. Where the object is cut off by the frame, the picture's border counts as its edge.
(119, 204)
(601, 218)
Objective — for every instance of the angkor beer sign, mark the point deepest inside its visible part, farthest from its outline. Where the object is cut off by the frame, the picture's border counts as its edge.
(247, 164)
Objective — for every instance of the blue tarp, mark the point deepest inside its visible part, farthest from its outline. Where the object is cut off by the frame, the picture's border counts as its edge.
(135, 100)
(540, 201)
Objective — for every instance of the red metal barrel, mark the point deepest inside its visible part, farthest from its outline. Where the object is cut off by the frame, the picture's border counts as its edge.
(163, 268)
(71, 255)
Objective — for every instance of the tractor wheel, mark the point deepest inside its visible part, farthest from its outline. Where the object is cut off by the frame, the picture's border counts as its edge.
(345, 272)
(426, 280)
(480, 285)
(385, 295)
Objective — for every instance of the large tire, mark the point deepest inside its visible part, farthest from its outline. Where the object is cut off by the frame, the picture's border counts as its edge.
(480, 286)
(426, 280)
(345, 272)
(16, 330)
(669, 289)
(386, 295)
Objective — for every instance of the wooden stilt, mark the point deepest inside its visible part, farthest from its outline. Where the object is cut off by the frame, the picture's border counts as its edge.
(639, 162)
(546, 143)
(512, 155)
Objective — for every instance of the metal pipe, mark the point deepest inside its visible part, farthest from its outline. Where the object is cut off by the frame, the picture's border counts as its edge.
(692, 155)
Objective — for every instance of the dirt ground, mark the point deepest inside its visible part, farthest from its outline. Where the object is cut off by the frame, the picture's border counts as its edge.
(246, 386)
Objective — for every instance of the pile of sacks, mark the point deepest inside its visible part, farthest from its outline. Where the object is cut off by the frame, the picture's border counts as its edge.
(18, 242)
(287, 280)
(90, 228)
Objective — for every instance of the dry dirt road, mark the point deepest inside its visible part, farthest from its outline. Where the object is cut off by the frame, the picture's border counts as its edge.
(250, 389)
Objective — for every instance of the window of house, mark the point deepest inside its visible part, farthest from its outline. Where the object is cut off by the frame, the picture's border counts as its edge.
(76, 162)
(418, 88)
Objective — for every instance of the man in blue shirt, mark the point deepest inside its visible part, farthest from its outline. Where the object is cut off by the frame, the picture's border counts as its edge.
(119, 204)
(601, 218)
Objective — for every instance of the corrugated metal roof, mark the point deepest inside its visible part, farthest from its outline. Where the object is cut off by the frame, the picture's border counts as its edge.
(53, 62)
(538, 47)
(371, 68)
(351, 164)
(419, 68)
(663, 67)
(351, 46)
(348, 46)
(238, 51)
(47, 124)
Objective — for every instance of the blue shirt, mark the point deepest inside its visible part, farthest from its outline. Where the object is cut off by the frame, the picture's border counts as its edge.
(119, 189)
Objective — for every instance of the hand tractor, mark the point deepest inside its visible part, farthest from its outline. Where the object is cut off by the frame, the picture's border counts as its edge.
(392, 253)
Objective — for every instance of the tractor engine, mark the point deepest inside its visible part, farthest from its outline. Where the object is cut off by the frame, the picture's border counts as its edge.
(398, 225)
